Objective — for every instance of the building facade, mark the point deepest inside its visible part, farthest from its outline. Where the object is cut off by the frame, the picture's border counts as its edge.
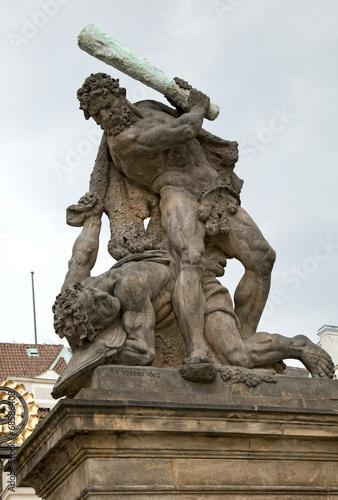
(33, 369)
(328, 336)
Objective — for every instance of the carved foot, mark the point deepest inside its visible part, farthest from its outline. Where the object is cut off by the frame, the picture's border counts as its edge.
(316, 360)
(197, 357)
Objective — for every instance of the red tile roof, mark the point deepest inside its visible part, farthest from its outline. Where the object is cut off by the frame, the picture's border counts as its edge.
(15, 361)
(60, 366)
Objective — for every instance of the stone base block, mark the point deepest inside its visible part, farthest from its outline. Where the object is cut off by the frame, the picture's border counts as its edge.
(155, 436)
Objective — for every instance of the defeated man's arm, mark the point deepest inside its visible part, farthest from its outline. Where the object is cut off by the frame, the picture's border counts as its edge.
(86, 245)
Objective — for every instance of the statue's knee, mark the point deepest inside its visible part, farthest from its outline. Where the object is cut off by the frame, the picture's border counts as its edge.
(131, 290)
(149, 357)
(193, 259)
(146, 358)
(138, 352)
(238, 357)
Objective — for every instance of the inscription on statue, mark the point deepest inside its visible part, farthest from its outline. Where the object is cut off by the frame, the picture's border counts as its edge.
(137, 373)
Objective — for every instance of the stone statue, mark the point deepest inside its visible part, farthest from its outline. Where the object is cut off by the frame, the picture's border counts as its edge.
(158, 150)
(157, 162)
(111, 318)
(185, 174)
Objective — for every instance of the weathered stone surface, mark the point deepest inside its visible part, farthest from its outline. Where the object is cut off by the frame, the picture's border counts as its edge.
(150, 385)
(239, 447)
(200, 373)
(161, 303)
(251, 378)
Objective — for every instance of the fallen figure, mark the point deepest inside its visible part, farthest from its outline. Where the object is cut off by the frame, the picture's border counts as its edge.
(110, 318)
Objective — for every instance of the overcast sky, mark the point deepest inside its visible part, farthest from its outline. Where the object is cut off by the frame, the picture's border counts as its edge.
(271, 66)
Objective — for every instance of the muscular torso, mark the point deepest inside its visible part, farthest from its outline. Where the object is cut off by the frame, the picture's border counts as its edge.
(160, 280)
(181, 165)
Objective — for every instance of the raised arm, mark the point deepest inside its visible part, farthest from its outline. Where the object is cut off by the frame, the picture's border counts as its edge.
(87, 213)
(162, 136)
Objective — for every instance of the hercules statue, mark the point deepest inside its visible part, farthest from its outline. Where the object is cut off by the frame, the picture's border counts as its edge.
(157, 162)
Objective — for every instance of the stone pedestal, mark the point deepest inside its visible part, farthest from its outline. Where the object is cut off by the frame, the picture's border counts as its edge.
(144, 433)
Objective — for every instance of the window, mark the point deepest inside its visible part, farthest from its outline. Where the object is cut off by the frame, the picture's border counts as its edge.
(32, 352)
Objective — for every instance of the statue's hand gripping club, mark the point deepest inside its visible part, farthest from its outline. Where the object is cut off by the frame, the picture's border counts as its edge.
(104, 47)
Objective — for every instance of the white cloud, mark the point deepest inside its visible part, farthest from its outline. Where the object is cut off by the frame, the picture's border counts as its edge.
(22, 255)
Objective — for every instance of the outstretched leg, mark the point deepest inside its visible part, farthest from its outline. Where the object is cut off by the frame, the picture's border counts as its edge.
(246, 243)
(261, 348)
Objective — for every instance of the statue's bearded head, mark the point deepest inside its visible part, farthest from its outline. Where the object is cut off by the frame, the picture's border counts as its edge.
(102, 98)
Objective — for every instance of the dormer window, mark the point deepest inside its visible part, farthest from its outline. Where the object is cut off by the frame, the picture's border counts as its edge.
(32, 352)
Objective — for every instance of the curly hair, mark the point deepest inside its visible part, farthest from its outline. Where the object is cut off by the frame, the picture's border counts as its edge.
(70, 317)
(98, 84)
